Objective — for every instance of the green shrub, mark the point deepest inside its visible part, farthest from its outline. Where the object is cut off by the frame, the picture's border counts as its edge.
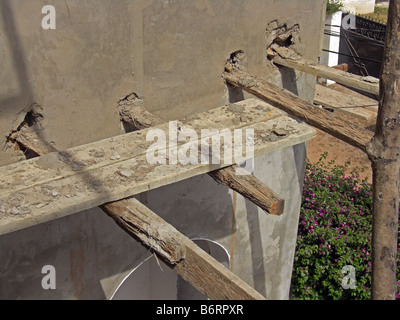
(334, 231)
(334, 6)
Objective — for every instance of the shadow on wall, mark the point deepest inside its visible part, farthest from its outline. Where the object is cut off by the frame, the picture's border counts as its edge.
(18, 57)
(17, 106)
(289, 82)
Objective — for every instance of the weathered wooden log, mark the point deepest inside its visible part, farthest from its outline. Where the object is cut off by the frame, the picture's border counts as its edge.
(138, 117)
(297, 107)
(193, 264)
(28, 138)
(288, 58)
(251, 188)
(147, 228)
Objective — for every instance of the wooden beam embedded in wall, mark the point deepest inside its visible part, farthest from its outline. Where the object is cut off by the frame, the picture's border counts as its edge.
(288, 58)
(28, 139)
(297, 107)
(251, 188)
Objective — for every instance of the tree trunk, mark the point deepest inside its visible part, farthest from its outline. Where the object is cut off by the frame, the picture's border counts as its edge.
(384, 153)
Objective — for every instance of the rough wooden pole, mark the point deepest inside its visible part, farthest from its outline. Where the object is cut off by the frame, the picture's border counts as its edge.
(251, 188)
(307, 112)
(181, 254)
(288, 58)
(384, 152)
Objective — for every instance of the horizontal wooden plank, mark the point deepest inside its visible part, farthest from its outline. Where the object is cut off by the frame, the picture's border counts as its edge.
(364, 109)
(59, 195)
(288, 58)
(193, 264)
(82, 159)
(246, 185)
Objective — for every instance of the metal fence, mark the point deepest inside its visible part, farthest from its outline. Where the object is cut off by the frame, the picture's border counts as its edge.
(362, 45)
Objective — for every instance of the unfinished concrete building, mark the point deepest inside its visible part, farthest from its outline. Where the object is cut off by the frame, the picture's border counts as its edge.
(73, 88)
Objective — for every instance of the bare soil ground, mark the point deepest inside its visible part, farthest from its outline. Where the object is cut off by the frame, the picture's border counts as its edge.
(338, 150)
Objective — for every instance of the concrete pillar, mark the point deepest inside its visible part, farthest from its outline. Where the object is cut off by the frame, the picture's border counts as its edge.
(332, 41)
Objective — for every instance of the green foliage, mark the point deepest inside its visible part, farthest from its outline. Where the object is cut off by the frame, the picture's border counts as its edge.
(334, 231)
(334, 6)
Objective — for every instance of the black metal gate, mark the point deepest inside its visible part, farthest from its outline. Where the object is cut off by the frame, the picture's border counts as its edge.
(362, 45)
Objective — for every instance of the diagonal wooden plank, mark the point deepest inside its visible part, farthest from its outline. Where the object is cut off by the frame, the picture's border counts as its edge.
(297, 107)
(181, 254)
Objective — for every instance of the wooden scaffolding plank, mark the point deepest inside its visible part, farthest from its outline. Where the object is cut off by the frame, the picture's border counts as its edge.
(245, 184)
(181, 254)
(364, 109)
(307, 112)
(288, 58)
(114, 169)
(83, 159)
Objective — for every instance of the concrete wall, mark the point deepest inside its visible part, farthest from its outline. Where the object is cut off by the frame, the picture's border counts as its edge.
(359, 6)
(172, 54)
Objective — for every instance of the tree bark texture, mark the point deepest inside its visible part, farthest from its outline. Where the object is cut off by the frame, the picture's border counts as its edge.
(384, 153)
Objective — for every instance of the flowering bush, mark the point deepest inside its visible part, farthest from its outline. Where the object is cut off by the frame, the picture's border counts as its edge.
(334, 231)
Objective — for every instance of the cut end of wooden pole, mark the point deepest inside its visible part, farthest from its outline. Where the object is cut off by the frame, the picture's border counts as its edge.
(251, 188)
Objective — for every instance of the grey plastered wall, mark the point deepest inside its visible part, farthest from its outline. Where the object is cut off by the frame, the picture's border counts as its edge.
(172, 54)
